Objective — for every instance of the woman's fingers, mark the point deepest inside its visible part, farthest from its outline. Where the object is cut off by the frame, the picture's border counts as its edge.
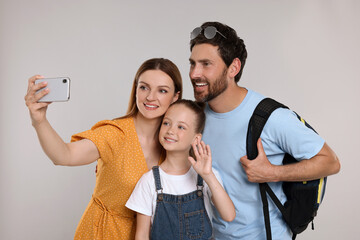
(40, 94)
(32, 81)
(32, 96)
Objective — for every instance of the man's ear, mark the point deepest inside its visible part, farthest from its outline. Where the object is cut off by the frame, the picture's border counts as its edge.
(234, 68)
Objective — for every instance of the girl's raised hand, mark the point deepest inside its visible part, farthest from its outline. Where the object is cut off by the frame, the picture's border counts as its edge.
(203, 163)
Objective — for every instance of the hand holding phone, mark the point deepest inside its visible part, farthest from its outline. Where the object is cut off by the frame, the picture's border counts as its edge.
(59, 89)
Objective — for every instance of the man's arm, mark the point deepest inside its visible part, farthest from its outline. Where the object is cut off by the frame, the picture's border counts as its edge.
(260, 169)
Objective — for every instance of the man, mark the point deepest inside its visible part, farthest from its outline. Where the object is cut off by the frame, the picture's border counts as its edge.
(217, 60)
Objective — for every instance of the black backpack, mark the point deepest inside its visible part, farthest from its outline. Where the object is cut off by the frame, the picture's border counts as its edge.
(303, 198)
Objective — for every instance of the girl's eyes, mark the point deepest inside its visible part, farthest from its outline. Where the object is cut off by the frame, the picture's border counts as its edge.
(179, 127)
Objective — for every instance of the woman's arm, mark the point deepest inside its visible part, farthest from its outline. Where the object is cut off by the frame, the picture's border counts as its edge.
(142, 227)
(203, 166)
(61, 153)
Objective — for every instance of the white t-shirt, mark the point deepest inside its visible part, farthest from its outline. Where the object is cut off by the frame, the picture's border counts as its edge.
(143, 198)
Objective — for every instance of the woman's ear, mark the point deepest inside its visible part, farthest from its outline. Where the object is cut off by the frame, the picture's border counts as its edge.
(176, 97)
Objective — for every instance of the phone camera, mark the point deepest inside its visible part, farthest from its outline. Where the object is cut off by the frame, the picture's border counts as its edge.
(64, 80)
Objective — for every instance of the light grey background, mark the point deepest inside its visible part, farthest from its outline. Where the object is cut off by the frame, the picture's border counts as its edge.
(303, 53)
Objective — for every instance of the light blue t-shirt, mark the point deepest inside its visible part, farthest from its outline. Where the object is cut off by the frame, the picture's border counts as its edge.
(226, 135)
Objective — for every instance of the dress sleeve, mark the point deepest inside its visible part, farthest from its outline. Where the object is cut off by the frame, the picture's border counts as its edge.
(141, 199)
(106, 135)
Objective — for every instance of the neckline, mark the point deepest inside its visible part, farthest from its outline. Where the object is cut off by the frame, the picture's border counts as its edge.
(162, 172)
(162, 155)
(227, 114)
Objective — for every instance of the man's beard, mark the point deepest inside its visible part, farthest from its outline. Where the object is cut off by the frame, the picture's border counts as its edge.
(214, 89)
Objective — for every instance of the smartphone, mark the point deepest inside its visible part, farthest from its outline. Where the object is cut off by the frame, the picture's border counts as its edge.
(59, 89)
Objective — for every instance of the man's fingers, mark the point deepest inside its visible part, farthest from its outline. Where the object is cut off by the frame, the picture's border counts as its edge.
(260, 147)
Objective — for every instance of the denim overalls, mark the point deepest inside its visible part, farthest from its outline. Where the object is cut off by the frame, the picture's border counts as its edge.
(180, 216)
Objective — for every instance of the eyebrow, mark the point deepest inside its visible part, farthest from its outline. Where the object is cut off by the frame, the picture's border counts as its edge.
(182, 122)
(201, 60)
(161, 86)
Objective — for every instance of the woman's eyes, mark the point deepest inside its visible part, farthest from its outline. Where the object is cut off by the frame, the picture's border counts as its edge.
(147, 88)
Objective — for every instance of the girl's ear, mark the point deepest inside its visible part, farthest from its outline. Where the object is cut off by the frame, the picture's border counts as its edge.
(197, 138)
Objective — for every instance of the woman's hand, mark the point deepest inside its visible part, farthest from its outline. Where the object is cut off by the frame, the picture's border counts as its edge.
(37, 110)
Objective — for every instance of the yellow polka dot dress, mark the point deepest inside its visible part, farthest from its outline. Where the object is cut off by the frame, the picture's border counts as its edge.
(120, 166)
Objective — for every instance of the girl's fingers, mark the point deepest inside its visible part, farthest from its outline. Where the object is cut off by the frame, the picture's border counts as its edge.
(204, 147)
(195, 149)
(208, 150)
(201, 149)
(192, 161)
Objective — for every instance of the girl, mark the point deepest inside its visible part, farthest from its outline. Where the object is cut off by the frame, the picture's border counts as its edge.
(172, 201)
(125, 148)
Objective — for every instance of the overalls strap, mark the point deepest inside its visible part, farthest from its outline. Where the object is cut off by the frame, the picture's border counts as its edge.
(180, 216)
(200, 181)
(159, 189)
(157, 178)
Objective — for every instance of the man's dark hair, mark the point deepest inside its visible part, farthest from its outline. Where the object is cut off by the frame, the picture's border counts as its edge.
(230, 47)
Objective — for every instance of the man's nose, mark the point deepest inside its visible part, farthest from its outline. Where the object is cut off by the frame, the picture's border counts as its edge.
(195, 72)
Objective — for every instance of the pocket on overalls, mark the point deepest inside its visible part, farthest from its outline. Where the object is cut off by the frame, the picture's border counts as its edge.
(194, 222)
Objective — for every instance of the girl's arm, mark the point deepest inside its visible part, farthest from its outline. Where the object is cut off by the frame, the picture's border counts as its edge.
(203, 166)
(142, 227)
(61, 153)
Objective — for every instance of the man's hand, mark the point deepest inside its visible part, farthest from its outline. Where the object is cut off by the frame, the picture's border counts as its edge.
(259, 169)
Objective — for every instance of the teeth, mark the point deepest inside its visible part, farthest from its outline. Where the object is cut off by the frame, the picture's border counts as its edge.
(200, 84)
(150, 106)
(170, 140)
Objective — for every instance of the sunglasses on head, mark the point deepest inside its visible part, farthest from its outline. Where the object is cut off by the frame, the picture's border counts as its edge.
(209, 32)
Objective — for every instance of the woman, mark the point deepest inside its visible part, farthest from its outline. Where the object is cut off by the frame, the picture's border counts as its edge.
(125, 148)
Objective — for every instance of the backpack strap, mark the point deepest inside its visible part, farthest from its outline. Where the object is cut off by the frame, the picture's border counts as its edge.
(257, 122)
(265, 188)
